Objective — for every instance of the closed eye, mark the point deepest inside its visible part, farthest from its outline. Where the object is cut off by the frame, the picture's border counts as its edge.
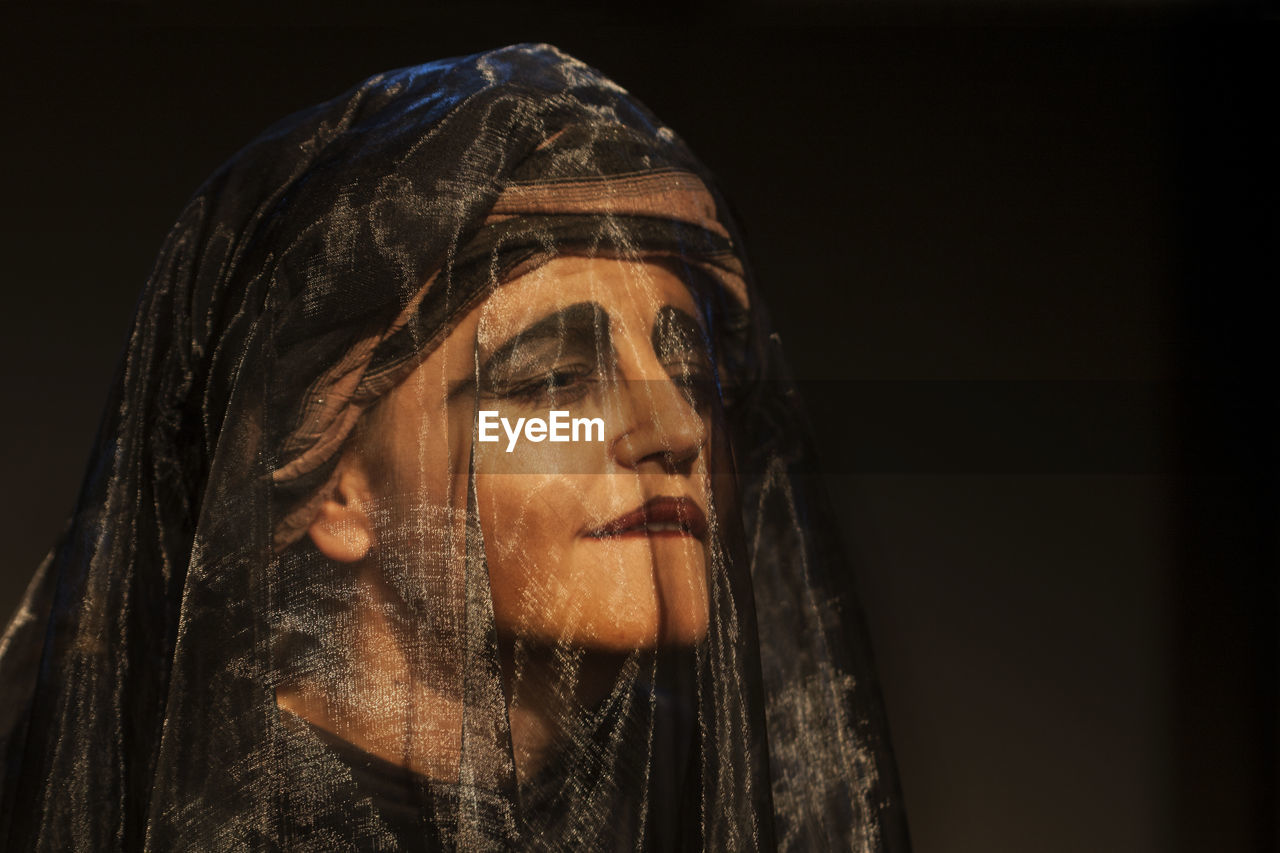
(560, 385)
(695, 379)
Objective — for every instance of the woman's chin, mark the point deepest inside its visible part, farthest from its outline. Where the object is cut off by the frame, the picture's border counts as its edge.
(615, 594)
(663, 604)
(687, 628)
(639, 627)
(648, 631)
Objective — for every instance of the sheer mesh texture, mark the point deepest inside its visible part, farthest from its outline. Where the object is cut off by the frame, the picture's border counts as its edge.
(305, 602)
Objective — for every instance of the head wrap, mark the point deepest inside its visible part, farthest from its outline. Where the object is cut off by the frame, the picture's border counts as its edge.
(598, 191)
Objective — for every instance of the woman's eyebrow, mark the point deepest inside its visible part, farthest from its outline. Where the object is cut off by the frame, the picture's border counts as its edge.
(573, 324)
(581, 327)
(675, 331)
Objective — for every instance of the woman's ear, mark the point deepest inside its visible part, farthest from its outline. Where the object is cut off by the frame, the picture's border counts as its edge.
(343, 529)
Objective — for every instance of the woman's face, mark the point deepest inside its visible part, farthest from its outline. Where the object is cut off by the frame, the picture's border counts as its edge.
(599, 543)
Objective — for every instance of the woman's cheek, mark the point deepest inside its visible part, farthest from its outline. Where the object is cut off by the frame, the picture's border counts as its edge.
(528, 528)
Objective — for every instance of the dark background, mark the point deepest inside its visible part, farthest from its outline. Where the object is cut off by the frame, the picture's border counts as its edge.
(1019, 255)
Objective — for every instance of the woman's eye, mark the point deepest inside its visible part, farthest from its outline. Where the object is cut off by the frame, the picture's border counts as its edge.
(560, 384)
(561, 378)
(695, 379)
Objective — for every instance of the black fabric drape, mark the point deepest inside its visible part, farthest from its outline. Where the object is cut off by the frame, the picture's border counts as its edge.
(303, 286)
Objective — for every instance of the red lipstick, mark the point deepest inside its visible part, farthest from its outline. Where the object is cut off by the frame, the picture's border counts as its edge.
(662, 516)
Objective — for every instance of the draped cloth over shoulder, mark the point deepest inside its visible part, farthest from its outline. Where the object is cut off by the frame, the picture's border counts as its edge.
(140, 681)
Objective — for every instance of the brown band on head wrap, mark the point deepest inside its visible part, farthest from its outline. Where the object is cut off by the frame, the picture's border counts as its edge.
(666, 194)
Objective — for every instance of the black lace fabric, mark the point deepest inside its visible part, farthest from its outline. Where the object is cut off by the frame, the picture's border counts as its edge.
(319, 593)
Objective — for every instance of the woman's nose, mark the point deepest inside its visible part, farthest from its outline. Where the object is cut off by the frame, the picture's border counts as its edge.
(662, 427)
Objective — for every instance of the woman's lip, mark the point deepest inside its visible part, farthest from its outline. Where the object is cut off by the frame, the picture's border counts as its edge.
(662, 516)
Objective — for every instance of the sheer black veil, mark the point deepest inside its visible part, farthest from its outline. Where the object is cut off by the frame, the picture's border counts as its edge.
(304, 283)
